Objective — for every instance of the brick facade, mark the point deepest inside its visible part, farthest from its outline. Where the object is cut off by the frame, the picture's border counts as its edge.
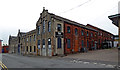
(55, 35)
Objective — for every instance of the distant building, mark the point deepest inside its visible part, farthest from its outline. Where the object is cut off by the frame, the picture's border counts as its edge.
(55, 35)
(5, 49)
(1, 46)
(15, 42)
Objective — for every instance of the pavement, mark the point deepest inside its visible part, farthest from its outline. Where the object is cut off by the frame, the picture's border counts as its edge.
(106, 56)
(93, 59)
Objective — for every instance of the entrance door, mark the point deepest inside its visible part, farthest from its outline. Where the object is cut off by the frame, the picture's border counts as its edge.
(18, 48)
(49, 47)
(59, 42)
(43, 48)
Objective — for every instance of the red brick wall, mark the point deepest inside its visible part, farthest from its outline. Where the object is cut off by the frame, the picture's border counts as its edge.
(5, 49)
(103, 35)
(76, 40)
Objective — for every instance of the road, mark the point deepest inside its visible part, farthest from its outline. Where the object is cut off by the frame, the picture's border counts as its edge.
(19, 61)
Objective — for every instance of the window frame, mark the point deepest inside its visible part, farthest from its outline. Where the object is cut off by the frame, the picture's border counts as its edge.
(82, 43)
(87, 33)
(38, 29)
(82, 32)
(59, 27)
(43, 28)
(34, 37)
(68, 43)
(49, 26)
(76, 31)
(68, 29)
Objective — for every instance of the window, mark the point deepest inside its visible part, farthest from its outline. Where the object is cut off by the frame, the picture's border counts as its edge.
(27, 39)
(24, 39)
(44, 26)
(91, 34)
(59, 42)
(68, 29)
(76, 31)
(87, 44)
(87, 33)
(82, 32)
(38, 29)
(49, 26)
(49, 41)
(91, 43)
(43, 43)
(30, 38)
(34, 48)
(38, 44)
(82, 43)
(30, 48)
(101, 34)
(34, 37)
(59, 27)
(27, 48)
(68, 43)
(95, 35)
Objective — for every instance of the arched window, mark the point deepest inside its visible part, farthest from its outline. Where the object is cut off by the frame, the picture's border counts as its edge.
(44, 26)
(49, 26)
(76, 31)
(68, 29)
(38, 29)
(49, 43)
(59, 27)
(82, 32)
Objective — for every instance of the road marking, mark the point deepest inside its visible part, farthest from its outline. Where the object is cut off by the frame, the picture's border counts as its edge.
(109, 66)
(77, 61)
(94, 63)
(103, 64)
(3, 66)
(86, 62)
(80, 61)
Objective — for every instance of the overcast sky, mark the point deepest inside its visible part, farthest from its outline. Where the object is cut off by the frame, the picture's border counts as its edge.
(23, 14)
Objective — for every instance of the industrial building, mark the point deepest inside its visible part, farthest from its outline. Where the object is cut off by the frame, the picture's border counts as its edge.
(55, 35)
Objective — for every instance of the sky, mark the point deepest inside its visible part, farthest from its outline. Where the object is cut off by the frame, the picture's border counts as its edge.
(23, 14)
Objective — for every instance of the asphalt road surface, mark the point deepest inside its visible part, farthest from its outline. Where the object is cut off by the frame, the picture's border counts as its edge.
(19, 61)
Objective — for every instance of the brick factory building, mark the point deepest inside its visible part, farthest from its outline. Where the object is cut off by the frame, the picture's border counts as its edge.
(55, 35)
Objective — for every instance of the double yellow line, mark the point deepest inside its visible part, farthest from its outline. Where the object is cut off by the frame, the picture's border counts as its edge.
(3, 66)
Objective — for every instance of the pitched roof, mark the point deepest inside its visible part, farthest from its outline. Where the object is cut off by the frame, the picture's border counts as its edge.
(70, 21)
(99, 28)
(114, 19)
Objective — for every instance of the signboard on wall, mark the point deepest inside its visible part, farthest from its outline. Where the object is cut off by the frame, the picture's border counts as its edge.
(59, 34)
